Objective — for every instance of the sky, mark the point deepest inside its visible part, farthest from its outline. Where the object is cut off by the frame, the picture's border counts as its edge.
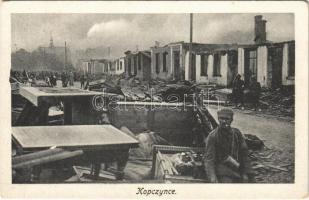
(123, 32)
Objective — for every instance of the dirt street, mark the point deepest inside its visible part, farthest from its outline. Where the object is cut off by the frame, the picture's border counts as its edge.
(279, 138)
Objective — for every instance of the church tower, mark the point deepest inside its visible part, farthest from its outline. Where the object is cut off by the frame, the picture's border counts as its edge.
(51, 42)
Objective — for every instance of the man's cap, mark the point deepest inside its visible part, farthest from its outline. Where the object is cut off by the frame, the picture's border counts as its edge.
(225, 112)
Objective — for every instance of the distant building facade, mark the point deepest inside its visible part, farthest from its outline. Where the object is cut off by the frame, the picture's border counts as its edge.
(272, 64)
(138, 64)
(119, 65)
(217, 65)
(167, 62)
(96, 66)
(171, 62)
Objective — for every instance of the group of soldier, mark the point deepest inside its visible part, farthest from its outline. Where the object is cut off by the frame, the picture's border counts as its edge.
(253, 94)
(67, 78)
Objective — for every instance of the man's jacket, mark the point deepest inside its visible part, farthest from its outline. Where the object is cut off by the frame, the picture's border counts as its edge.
(219, 145)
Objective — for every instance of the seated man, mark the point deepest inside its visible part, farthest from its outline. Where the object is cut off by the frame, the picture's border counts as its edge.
(226, 155)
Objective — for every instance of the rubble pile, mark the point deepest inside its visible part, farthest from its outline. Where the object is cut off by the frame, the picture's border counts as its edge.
(278, 102)
(267, 162)
(133, 89)
(108, 87)
(269, 168)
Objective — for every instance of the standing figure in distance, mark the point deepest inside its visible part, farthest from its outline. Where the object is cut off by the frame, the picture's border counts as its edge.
(238, 91)
(255, 91)
(82, 81)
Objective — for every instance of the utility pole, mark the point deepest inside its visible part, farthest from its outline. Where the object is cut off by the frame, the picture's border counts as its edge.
(65, 55)
(190, 48)
(109, 52)
(44, 60)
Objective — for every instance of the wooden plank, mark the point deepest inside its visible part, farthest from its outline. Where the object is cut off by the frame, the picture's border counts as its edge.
(26, 157)
(183, 179)
(72, 136)
(174, 170)
(276, 167)
(166, 164)
(162, 163)
(47, 158)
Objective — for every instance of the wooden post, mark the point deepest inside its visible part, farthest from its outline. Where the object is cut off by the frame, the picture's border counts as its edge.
(190, 48)
(65, 56)
(67, 112)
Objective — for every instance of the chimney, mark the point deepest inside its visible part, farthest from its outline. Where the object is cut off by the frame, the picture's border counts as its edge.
(260, 29)
(157, 44)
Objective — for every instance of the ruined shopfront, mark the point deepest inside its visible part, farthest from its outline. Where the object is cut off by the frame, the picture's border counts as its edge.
(171, 62)
(95, 66)
(119, 65)
(217, 65)
(273, 64)
(168, 61)
(138, 64)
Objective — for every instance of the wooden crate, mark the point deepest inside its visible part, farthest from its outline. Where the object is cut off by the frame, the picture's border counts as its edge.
(162, 170)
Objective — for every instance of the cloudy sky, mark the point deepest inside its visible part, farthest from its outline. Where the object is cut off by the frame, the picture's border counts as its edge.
(126, 31)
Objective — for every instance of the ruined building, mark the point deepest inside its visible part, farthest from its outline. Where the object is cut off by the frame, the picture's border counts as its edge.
(138, 64)
(171, 62)
(119, 65)
(95, 66)
(272, 63)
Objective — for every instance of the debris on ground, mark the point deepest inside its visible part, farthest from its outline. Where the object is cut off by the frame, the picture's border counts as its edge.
(107, 87)
(155, 90)
(253, 142)
(276, 102)
(271, 166)
(279, 102)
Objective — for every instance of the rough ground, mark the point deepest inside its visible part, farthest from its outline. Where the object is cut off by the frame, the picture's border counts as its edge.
(279, 139)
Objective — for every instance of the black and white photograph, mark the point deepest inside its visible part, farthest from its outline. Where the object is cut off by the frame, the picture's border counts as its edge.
(153, 98)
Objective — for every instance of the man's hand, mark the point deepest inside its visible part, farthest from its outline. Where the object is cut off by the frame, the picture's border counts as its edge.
(245, 178)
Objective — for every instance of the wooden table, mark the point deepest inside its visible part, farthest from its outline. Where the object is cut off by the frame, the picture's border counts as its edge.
(100, 143)
(77, 104)
(72, 137)
(38, 94)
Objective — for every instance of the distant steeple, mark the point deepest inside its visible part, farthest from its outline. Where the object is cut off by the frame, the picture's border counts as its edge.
(51, 42)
